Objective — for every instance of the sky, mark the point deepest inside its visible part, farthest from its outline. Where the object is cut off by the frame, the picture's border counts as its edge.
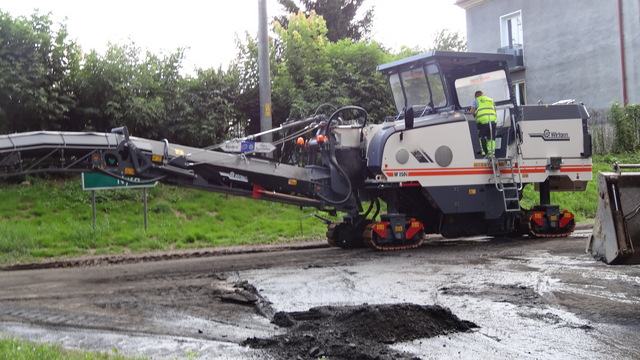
(208, 29)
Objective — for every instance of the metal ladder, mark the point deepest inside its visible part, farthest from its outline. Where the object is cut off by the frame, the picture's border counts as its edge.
(508, 182)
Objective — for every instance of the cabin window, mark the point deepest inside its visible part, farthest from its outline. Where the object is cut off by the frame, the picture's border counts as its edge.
(493, 84)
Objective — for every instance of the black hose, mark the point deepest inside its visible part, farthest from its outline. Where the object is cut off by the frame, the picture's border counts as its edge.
(349, 186)
(377, 210)
(323, 105)
(352, 107)
(332, 154)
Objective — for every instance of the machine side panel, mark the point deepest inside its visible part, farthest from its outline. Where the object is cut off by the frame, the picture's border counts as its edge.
(556, 145)
(552, 138)
(379, 142)
(440, 154)
(554, 131)
(468, 199)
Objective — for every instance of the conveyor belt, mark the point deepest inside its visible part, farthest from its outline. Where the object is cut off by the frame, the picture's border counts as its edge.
(118, 154)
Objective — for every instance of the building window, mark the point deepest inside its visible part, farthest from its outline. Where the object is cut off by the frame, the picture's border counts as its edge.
(519, 92)
(511, 30)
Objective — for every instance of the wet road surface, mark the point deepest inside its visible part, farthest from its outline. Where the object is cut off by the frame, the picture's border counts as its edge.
(531, 298)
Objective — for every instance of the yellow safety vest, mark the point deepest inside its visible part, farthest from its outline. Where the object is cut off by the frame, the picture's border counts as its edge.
(486, 111)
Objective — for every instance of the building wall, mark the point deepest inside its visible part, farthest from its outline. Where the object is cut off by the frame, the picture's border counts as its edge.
(571, 47)
(631, 21)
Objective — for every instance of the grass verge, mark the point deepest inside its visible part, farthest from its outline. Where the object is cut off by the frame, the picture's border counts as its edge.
(21, 350)
(53, 218)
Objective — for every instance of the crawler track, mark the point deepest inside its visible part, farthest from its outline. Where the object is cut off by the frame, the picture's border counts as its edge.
(370, 240)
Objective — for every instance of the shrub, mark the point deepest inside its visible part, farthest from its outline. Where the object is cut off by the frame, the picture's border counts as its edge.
(626, 124)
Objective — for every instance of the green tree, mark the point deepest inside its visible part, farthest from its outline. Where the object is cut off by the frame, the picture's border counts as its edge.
(340, 16)
(308, 70)
(304, 73)
(448, 40)
(122, 88)
(443, 40)
(315, 71)
(35, 61)
(206, 113)
(248, 101)
(359, 83)
(148, 94)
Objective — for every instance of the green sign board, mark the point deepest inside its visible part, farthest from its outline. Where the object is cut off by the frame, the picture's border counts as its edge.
(97, 181)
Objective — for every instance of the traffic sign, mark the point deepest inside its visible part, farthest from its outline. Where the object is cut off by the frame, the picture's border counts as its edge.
(98, 181)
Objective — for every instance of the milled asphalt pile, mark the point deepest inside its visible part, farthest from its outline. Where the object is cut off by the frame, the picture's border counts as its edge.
(357, 332)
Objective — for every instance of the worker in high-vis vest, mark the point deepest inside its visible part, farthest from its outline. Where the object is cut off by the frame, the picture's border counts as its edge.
(484, 110)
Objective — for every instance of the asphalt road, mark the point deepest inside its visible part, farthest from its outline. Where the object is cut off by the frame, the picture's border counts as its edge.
(531, 298)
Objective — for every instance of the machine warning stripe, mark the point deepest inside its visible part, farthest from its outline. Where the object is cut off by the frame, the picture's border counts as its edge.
(480, 171)
(450, 169)
(438, 172)
(563, 168)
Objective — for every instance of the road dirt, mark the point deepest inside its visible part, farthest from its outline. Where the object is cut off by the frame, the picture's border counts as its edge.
(467, 298)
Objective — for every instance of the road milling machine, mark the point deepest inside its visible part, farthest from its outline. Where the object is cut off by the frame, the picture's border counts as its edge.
(425, 163)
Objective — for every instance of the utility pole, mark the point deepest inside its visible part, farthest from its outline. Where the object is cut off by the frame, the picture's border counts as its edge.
(264, 70)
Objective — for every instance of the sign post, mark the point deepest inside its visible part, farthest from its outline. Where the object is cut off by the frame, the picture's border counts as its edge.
(96, 181)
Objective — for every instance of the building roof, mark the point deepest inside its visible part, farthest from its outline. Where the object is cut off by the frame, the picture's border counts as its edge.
(465, 4)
